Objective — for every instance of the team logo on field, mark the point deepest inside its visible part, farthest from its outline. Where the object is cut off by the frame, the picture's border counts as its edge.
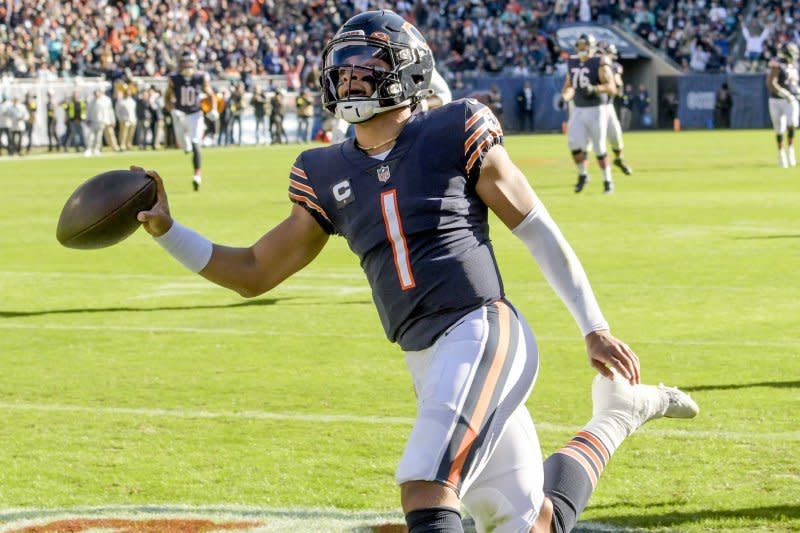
(384, 174)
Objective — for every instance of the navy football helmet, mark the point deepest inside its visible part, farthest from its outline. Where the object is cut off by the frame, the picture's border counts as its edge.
(188, 63)
(386, 52)
(586, 45)
(789, 51)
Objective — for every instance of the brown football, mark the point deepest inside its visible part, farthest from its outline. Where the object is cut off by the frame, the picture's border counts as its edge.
(102, 211)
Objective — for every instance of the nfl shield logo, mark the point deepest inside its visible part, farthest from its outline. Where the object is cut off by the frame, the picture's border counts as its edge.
(383, 174)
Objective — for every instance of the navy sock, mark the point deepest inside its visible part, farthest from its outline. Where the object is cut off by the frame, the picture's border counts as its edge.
(434, 520)
(570, 476)
(195, 156)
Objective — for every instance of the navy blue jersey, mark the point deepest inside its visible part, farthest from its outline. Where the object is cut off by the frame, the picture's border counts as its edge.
(188, 91)
(787, 76)
(414, 219)
(583, 74)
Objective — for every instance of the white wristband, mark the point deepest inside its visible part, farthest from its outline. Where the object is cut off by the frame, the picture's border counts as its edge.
(187, 246)
(561, 268)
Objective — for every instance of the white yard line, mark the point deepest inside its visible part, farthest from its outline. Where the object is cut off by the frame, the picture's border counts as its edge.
(369, 420)
(356, 275)
(306, 334)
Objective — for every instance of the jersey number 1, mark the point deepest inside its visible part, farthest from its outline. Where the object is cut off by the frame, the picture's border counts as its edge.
(394, 230)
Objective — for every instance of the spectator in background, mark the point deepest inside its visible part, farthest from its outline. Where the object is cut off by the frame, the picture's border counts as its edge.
(701, 53)
(292, 69)
(259, 102)
(236, 105)
(75, 110)
(53, 141)
(142, 100)
(754, 43)
(224, 118)
(5, 126)
(276, 119)
(495, 103)
(101, 123)
(305, 113)
(156, 104)
(722, 107)
(31, 106)
(126, 117)
(525, 106)
(19, 118)
(641, 106)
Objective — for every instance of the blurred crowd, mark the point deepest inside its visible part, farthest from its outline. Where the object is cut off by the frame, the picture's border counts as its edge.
(132, 116)
(237, 39)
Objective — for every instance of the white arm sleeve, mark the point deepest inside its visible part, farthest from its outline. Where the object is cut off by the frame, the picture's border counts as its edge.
(440, 88)
(561, 268)
(190, 248)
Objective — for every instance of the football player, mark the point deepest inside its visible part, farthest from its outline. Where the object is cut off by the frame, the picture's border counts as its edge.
(782, 84)
(185, 92)
(614, 127)
(420, 226)
(590, 83)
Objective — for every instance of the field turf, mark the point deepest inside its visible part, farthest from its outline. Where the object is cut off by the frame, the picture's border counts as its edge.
(127, 381)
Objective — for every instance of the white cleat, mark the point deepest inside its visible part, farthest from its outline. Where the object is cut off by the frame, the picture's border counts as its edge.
(633, 405)
(790, 154)
(783, 161)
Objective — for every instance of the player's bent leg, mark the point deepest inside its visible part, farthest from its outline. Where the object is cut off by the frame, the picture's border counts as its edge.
(468, 385)
(579, 157)
(430, 507)
(507, 496)
(608, 183)
(571, 474)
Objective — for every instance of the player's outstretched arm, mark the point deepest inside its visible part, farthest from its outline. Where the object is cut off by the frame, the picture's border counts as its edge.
(503, 188)
(250, 271)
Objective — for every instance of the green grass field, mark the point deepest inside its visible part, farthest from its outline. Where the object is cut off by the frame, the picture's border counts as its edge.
(127, 381)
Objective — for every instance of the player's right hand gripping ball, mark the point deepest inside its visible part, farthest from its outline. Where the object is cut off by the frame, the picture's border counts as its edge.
(102, 211)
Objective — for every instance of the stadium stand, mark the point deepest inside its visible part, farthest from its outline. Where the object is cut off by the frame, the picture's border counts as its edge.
(277, 43)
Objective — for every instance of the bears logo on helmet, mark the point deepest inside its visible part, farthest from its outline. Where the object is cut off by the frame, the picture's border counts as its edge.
(379, 50)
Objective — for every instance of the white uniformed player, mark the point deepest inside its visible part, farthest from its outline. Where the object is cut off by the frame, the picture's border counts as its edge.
(782, 84)
(614, 127)
(183, 98)
(420, 226)
(590, 84)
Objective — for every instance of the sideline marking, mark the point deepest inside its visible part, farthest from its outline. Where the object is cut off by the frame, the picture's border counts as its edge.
(371, 420)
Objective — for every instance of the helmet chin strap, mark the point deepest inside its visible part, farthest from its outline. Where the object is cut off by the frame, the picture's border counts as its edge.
(358, 111)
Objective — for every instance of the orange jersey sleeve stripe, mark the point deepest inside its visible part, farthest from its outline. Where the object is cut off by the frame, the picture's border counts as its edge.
(309, 203)
(299, 172)
(486, 126)
(299, 186)
(476, 117)
(477, 153)
(481, 408)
